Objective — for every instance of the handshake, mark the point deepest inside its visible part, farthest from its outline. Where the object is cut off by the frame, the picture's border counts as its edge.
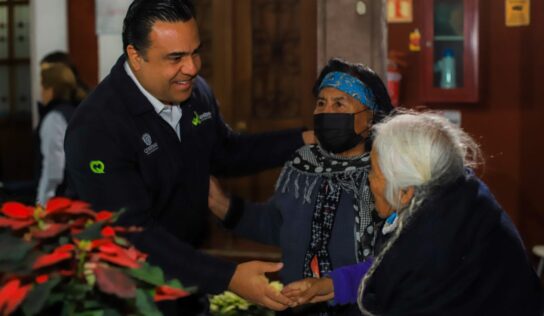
(249, 281)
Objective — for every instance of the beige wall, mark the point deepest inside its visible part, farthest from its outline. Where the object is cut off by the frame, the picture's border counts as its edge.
(48, 33)
(343, 32)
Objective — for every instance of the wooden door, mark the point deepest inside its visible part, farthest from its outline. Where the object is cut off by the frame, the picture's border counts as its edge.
(260, 56)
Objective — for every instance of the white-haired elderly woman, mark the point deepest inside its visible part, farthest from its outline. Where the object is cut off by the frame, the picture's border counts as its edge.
(447, 247)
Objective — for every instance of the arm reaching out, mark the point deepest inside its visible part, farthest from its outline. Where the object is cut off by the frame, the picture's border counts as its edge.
(218, 201)
(310, 290)
(250, 282)
(342, 285)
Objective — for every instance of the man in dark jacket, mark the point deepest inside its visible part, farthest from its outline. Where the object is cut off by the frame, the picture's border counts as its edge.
(149, 137)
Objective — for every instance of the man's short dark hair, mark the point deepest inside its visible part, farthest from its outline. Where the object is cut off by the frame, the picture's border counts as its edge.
(142, 14)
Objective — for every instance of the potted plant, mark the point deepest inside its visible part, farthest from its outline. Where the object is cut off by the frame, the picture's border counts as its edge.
(66, 259)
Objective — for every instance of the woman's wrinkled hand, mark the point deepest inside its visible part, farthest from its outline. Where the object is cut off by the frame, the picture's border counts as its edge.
(310, 290)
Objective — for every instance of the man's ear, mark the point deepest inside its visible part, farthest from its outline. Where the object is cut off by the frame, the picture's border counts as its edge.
(406, 195)
(134, 57)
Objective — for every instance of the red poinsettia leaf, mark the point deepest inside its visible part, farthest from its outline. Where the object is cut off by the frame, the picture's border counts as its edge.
(120, 229)
(75, 231)
(15, 224)
(57, 204)
(78, 225)
(50, 259)
(11, 296)
(111, 248)
(100, 242)
(17, 210)
(6, 291)
(103, 216)
(51, 230)
(131, 229)
(61, 205)
(79, 205)
(135, 254)
(80, 211)
(165, 292)
(79, 222)
(67, 273)
(114, 281)
(64, 248)
(42, 278)
(107, 231)
(16, 299)
(123, 261)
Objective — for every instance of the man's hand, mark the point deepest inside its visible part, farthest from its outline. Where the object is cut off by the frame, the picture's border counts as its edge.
(309, 137)
(310, 290)
(218, 201)
(249, 281)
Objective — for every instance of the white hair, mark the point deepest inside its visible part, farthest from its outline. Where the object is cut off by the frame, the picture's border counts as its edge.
(419, 150)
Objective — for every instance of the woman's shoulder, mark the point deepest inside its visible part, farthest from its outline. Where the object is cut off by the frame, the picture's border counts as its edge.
(306, 153)
(53, 119)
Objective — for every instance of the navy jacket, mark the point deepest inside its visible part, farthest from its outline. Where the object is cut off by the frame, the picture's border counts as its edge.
(121, 154)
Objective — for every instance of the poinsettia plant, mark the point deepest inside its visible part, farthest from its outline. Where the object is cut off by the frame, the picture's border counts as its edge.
(66, 259)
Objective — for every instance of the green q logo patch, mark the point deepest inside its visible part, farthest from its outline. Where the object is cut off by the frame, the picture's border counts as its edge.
(97, 166)
(196, 119)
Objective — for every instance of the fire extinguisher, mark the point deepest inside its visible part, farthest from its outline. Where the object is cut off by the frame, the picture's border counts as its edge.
(393, 83)
(394, 76)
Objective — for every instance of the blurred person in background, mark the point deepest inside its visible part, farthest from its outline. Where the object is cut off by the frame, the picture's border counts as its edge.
(60, 94)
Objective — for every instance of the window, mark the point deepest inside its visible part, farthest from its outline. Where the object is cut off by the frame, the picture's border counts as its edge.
(15, 97)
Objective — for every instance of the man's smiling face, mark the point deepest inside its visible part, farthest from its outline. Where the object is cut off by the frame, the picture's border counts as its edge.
(168, 67)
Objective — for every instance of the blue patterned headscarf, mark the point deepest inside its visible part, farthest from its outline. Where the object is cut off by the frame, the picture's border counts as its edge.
(351, 86)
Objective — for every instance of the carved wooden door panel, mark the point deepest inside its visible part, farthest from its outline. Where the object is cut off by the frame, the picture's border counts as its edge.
(275, 67)
(260, 58)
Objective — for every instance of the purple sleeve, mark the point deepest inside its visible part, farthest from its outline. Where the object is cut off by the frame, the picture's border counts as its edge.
(346, 282)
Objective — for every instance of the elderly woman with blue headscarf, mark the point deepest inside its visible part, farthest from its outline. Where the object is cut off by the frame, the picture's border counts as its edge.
(322, 213)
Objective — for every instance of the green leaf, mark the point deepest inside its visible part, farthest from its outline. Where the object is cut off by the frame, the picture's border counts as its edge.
(21, 267)
(175, 283)
(149, 274)
(118, 214)
(37, 297)
(63, 240)
(92, 304)
(92, 232)
(68, 309)
(13, 249)
(121, 241)
(76, 291)
(54, 298)
(145, 304)
(111, 312)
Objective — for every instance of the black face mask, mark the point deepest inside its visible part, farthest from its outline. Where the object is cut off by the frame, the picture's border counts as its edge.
(336, 131)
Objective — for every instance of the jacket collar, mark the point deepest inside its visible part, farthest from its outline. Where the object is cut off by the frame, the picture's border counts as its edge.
(135, 102)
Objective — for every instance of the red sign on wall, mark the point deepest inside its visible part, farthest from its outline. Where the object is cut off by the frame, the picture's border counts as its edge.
(399, 11)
